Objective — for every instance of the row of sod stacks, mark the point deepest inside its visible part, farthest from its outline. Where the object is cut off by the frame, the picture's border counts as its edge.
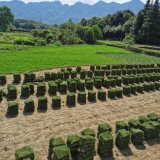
(81, 97)
(42, 103)
(53, 87)
(81, 86)
(104, 127)
(89, 84)
(102, 95)
(71, 99)
(123, 138)
(126, 90)
(25, 91)
(112, 93)
(63, 88)
(148, 130)
(78, 69)
(119, 92)
(86, 147)
(137, 136)
(105, 144)
(29, 105)
(16, 77)
(12, 108)
(56, 102)
(31, 87)
(41, 89)
(73, 144)
(82, 74)
(73, 74)
(58, 149)
(3, 79)
(61, 75)
(25, 153)
(133, 123)
(92, 96)
(29, 77)
(140, 88)
(72, 85)
(12, 91)
(121, 125)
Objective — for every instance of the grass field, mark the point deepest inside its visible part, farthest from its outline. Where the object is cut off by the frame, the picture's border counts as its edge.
(35, 58)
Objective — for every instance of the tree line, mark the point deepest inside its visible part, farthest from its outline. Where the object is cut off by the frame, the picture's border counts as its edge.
(124, 25)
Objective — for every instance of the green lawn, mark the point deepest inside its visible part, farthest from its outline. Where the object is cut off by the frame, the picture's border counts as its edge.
(23, 59)
(35, 58)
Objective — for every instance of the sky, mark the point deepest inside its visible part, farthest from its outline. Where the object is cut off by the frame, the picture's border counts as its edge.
(71, 2)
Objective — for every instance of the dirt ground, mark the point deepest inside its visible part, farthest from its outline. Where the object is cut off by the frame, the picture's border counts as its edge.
(36, 129)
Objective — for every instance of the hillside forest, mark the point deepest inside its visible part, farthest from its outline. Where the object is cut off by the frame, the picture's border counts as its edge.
(142, 28)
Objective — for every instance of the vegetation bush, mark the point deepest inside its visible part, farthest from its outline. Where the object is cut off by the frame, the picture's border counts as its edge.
(25, 152)
(12, 108)
(42, 103)
(56, 102)
(29, 105)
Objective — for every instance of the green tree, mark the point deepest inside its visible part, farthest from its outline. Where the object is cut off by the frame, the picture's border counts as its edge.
(6, 18)
(97, 32)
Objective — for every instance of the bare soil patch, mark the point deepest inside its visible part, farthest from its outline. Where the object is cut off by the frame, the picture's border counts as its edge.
(37, 128)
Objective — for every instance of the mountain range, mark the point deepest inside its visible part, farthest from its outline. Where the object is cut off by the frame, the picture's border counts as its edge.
(57, 13)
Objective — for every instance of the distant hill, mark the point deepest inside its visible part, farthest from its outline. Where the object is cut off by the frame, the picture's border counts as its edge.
(57, 13)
